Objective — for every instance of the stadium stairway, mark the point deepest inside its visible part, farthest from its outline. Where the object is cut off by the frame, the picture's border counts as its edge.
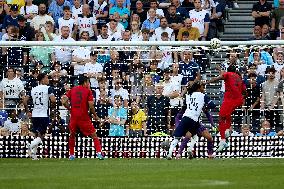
(239, 22)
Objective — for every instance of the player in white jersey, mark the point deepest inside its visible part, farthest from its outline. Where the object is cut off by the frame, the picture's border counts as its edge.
(41, 95)
(189, 125)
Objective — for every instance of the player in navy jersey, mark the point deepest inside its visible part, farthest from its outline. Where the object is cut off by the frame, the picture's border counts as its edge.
(41, 96)
(189, 125)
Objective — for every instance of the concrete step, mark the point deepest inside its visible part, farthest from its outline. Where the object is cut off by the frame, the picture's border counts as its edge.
(240, 18)
(236, 30)
(239, 22)
(238, 26)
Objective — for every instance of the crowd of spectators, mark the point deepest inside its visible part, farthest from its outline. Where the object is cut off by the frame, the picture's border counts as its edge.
(137, 90)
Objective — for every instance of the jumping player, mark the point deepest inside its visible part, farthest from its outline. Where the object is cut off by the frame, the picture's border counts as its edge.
(202, 131)
(233, 98)
(40, 119)
(79, 100)
(189, 125)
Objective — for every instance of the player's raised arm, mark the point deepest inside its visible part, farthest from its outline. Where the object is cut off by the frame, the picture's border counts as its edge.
(215, 79)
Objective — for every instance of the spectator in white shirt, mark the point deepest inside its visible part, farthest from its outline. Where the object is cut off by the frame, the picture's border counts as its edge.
(63, 54)
(104, 34)
(76, 9)
(66, 20)
(119, 90)
(164, 28)
(136, 34)
(113, 30)
(11, 89)
(80, 56)
(87, 22)
(41, 18)
(29, 11)
(154, 5)
(94, 70)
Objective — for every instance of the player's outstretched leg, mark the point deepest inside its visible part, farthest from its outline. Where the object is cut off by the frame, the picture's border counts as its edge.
(172, 147)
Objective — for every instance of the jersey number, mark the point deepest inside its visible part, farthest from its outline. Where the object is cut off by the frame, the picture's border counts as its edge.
(38, 98)
(193, 105)
(78, 98)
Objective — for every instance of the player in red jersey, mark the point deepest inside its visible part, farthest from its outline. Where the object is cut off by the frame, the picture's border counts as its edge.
(233, 98)
(80, 100)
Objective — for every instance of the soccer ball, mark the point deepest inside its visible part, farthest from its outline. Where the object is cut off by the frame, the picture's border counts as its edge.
(215, 43)
(165, 145)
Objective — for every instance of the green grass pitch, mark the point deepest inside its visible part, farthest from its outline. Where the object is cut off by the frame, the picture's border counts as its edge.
(141, 173)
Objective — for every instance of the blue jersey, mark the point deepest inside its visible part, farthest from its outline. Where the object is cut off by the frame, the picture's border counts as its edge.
(188, 71)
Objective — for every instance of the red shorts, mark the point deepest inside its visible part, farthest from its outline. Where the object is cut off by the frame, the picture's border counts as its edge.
(85, 126)
(228, 106)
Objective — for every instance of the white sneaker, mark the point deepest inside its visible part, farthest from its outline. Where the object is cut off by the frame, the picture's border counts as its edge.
(236, 5)
(178, 156)
(169, 157)
(222, 145)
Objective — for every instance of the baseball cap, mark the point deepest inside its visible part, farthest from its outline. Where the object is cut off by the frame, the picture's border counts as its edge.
(21, 18)
(14, 8)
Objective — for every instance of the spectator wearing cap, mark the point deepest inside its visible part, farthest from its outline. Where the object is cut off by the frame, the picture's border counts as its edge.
(120, 12)
(66, 20)
(29, 11)
(158, 111)
(41, 19)
(56, 9)
(93, 70)
(18, 3)
(11, 19)
(26, 32)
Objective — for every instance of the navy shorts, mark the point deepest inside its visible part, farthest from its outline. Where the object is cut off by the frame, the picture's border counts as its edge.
(186, 124)
(40, 124)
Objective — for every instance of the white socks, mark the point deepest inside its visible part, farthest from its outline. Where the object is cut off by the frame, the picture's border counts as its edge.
(35, 143)
(172, 146)
(192, 142)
